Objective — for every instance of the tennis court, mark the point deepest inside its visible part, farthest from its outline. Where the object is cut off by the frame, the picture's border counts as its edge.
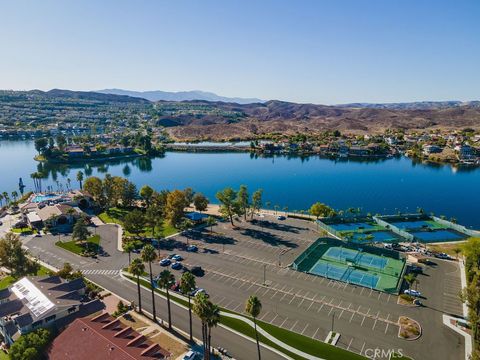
(411, 225)
(374, 236)
(438, 236)
(367, 266)
(344, 273)
(352, 226)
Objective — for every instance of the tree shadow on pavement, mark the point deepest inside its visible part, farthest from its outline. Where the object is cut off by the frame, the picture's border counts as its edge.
(268, 238)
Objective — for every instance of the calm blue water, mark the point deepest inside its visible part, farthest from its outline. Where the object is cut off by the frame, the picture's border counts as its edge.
(383, 187)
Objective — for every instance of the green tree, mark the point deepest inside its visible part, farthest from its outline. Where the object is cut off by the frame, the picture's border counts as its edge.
(137, 268)
(175, 207)
(134, 222)
(146, 193)
(165, 281)
(31, 346)
(80, 231)
(253, 307)
(80, 179)
(153, 217)
(188, 194)
(243, 200)
(129, 194)
(128, 247)
(256, 204)
(318, 209)
(94, 186)
(187, 285)
(229, 207)
(200, 202)
(41, 145)
(210, 222)
(14, 257)
(410, 279)
(149, 255)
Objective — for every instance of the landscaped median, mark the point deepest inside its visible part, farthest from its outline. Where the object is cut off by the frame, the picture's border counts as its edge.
(91, 245)
(289, 343)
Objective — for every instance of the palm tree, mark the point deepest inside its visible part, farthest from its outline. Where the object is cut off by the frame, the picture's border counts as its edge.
(15, 195)
(1, 200)
(68, 183)
(213, 318)
(5, 196)
(187, 285)
(200, 305)
(210, 222)
(209, 315)
(148, 255)
(128, 247)
(276, 207)
(253, 308)
(137, 268)
(165, 281)
(457, 251)
(80, 178)
(409, 278)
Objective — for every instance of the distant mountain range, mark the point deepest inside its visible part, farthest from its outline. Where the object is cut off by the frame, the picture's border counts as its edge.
(158, 95)
(418, 105)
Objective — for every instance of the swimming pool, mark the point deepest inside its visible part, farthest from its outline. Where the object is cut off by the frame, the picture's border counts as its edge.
(46, 197)
(438, 236)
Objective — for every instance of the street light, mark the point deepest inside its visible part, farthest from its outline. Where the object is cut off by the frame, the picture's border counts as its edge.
(333, 320)
(264, 273)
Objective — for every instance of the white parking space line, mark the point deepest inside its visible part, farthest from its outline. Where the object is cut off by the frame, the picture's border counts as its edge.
(296, 322)
(350, 343)
(315, 334)
(306, 326)
(283, 323)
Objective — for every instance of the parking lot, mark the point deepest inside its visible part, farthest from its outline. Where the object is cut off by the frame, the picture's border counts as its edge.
(254, 259)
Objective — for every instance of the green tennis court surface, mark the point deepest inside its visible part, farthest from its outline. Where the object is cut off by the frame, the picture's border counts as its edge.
(370, 267)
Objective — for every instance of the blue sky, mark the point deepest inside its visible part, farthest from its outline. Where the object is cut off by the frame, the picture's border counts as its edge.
(305, 51)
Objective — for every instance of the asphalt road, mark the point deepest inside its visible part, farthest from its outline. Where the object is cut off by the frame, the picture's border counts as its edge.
(105, 272)
(243, 258)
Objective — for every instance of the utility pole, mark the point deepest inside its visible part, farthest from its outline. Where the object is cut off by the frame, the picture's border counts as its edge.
(264, 274)
(333, 320)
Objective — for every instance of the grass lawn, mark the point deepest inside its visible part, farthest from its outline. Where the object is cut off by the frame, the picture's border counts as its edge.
(303, 343)
(116, 215)
(8, 280)
(3, 356)
(25, 231)
(76, 248)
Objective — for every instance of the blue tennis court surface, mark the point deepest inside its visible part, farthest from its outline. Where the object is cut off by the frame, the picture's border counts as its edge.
(356, 257)
(352, 226)
(437, 236)
(412, 224)
(344, 273)
(375, 236)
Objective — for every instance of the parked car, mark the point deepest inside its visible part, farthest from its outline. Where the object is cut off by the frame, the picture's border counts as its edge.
(192, 248)
(176, 286)
(177, 257)
(416, 269)
(412, 292)
(191, 355)
(165, 262)
(171, 256)
(443, 256)
(176, 266)
(197, 271)
(281, 217)
(199, 291)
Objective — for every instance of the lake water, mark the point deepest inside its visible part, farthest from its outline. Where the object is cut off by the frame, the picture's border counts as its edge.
(384, 186)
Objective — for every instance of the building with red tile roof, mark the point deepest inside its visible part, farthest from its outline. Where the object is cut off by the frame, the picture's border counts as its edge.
(103, 337)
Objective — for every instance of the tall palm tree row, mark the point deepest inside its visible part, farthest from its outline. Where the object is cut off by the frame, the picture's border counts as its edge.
(187, 285)
(165, 281)
(253, 307)
(137, 268)
(128, 247)
(148, 255)
(209, 315)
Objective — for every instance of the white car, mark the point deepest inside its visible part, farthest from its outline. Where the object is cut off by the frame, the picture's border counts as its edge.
(413, 292)
(190, 355)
